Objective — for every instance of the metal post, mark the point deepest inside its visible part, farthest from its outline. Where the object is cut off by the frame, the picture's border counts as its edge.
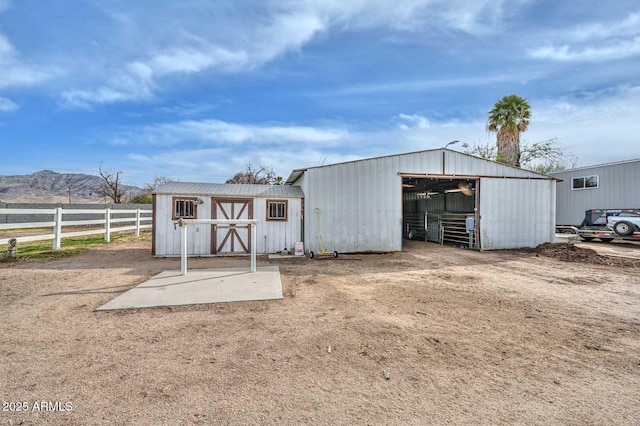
(183, 252)
(137, 222)
(253, 247)
(107, 225)
(57, 229)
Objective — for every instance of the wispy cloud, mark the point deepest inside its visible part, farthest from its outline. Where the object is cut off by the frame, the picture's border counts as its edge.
(15, 72)
(618, 49)
(414, 120)
(595, 127)
(423, 85)
(596, 42)
(133, 84)
(214, 150)
(220, 133)
(185, 109)
(628, 27)
(277, 29)
(219, 164)
(7, 105)
(4, 5)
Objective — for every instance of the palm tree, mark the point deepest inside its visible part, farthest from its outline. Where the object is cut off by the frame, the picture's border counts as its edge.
(508, 118)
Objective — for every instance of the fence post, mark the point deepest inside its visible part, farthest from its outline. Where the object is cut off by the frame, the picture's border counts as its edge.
(107, 225)
(57, 230)
(183, 251)
(137, 222)
(254, 243)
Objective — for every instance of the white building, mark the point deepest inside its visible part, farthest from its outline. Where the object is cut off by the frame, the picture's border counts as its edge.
(372, 204)
(278, 210)
(368, 205)
(603, 186)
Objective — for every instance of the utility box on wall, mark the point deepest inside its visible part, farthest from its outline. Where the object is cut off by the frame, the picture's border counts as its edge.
(470, 223)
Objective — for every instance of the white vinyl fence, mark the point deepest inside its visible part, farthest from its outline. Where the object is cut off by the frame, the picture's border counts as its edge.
(107, 217)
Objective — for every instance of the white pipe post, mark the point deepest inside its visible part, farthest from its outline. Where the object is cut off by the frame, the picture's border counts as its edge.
(107, 225)
(183, 252)
(57, 229)
(253, 247)
(137, 222)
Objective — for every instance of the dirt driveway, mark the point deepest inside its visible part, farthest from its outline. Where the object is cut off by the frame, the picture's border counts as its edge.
(429, 336)
(623, 248)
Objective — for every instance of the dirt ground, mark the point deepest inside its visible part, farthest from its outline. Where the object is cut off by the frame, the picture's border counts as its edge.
(432, 335)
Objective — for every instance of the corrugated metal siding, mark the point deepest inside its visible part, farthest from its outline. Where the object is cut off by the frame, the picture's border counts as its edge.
(360, 206)
(361, 201)
(516, 213)
(229, 190)
(431, 162)
(618, 188)
(458, 163)
(278, 234)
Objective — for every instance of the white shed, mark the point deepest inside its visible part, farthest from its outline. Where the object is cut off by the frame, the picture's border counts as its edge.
(437, 195)
(277, 208)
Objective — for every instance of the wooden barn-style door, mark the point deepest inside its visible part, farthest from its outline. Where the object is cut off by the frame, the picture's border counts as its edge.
(230, 239)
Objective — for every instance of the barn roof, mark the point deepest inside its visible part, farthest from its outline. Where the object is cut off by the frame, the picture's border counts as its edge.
(464, 164)
(229, 189)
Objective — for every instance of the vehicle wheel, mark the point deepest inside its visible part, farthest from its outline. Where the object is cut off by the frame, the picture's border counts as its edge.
(335, 254)
(587, 238)
(606, 240)
(311, 254)
(623, 228)
(568, 231)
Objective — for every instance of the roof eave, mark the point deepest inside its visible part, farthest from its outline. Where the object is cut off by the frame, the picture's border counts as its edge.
(294, 176)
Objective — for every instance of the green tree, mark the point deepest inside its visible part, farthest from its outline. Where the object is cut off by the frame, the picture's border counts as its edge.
(508, 119)
(142, 198)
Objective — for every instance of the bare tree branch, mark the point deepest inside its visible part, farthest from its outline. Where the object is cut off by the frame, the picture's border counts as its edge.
(157, 182)
(542, 157)
(111, 187)
(260, 176)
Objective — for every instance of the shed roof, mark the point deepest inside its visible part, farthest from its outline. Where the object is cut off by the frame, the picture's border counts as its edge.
(594, 166)
(229, 189)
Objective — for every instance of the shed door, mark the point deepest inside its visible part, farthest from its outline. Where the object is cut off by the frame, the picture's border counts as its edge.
(231, 239)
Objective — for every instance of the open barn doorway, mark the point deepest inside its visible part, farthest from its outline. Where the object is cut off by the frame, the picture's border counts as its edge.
(442, 209)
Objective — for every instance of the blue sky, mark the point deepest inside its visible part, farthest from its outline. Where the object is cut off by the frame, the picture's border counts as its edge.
(194, 89)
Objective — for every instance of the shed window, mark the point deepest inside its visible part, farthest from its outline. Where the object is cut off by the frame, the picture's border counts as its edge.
(586, 182)
(186, 208)
(277, 209)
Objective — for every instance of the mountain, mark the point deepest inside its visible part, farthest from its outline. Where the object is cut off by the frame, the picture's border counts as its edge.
(47, 186)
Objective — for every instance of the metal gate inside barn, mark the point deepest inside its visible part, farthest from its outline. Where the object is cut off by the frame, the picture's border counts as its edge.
(442, 209)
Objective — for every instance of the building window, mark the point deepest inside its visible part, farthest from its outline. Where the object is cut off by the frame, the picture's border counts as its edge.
(586, 182)
(277, 209)
(186, 208)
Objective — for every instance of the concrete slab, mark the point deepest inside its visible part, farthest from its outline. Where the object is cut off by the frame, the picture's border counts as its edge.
(169, 288)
